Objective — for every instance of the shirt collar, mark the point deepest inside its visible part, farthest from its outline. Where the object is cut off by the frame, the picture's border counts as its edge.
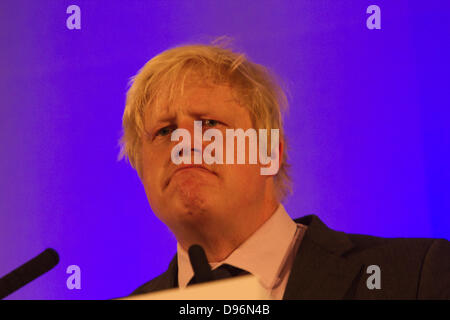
(262, 254)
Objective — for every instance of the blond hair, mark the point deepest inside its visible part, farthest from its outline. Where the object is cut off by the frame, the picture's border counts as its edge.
(257, 89)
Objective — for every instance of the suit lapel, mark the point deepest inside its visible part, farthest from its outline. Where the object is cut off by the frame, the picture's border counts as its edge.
(320, 271)
(171, 279)
(167, 280)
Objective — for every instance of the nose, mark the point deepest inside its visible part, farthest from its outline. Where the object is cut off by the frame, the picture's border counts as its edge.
(195, 143)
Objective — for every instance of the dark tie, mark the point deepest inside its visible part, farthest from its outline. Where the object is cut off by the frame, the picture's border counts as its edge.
(223, 272)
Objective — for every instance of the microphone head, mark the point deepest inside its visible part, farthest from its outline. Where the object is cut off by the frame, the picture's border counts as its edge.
(49, 257)
(29, 271)
(200, 265)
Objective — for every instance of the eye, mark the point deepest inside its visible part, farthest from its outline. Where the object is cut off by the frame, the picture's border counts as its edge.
(210, 123)
(164, 131)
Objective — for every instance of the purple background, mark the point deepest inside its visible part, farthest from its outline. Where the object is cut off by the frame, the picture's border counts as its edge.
(369, 124)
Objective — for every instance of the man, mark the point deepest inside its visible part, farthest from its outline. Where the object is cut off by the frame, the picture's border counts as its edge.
(233, 210)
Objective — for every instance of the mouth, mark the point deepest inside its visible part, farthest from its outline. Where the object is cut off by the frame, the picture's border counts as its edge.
(184, 167)
(191, 167)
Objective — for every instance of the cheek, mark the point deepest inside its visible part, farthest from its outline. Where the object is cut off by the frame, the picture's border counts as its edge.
(243, 176)
(152, 167)
(150, 187)
(243, 184)
(154, 156)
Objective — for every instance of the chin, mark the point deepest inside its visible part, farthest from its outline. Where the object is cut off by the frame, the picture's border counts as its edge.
(192, 192)
(192, 201)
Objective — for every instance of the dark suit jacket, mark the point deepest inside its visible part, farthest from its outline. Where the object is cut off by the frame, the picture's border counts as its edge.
(333, 265)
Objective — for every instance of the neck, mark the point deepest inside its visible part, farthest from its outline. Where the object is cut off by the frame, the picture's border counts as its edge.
(220, 238)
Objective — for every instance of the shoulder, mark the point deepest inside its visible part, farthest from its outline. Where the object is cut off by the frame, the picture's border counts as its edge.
(150, 286)
(409, 248)
(166, 280)
(420, 266)
(372, 245)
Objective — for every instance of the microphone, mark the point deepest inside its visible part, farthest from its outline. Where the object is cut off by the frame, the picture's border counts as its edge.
(29, 271)
(199, 262)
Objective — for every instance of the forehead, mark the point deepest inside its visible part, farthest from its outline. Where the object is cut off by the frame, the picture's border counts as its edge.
(196, 98)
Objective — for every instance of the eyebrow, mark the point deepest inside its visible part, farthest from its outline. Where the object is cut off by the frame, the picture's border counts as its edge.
(167, 118)
(171, 118)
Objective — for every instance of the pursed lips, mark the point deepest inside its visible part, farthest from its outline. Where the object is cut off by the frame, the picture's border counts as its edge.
(183, 167)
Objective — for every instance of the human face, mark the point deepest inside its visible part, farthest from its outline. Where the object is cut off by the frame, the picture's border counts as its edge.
(213, 195)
